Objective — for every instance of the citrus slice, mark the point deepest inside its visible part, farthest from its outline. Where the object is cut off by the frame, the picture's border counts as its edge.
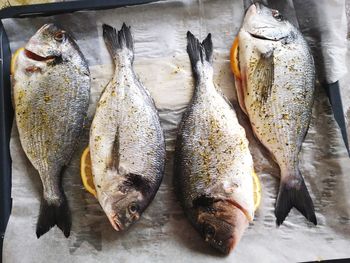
(14, 58)
(257, 191)
(86, 172)
(234, 60)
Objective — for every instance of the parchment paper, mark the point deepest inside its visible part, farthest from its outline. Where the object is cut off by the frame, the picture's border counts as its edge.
(163, 234)
(345, 81)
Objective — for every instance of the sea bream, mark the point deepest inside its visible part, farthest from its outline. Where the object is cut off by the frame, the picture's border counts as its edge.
(126, 139)
(213, 164)
(276, 90)
(51, 97)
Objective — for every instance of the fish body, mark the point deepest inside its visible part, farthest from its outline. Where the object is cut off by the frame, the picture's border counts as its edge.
(213, 164)
(51, 97)
(126, 139)
(276, 91)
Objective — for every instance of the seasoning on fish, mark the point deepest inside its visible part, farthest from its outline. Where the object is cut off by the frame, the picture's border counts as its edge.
(51, 99)
(213, 164)
(127, 144)
(276, 90)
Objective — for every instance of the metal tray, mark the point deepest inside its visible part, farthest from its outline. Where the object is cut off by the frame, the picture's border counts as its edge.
(6, 110)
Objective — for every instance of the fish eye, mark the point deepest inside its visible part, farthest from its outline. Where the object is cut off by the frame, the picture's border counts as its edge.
(209, 231)
(59, 36)
(133, 208)
(277, 15)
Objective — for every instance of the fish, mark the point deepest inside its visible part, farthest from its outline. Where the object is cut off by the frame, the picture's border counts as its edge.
(276, 91)
(51, 91)
(213, 165)
(127, 143)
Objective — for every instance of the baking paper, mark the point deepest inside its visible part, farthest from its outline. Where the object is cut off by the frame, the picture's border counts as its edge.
(164, 234)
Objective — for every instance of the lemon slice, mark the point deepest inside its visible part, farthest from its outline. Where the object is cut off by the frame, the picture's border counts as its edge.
(257, 191)
(86, 173)
(233, 59)
(14, 58)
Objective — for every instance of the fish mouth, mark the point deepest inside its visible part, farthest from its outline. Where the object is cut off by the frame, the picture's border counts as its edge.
(238, 206)
(264, 38)
(241, 223)
(33, 56)
(115, 223)
(254, 9)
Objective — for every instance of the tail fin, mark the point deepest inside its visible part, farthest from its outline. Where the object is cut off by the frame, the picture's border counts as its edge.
(199, 51)
(53, 214)
(294, 193)
(117, 40)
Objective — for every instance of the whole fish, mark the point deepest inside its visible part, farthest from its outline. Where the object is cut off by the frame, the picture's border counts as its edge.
(126, 139)
(213, 164)
(51, 99)
(276, 90)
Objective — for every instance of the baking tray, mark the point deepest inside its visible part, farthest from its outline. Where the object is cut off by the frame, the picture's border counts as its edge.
(6, 110)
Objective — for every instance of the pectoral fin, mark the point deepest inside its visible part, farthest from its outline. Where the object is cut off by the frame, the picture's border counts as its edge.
(241, 89)
(263, 76)
(115, 154)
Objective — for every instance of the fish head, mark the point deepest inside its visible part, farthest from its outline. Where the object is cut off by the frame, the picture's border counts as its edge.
(125, 209)
(264, 23)
(125, 203)
(50, 43)
(221, 224)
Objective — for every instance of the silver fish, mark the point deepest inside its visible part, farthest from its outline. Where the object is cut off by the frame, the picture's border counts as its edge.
(276, 90)
(126, 139)
(51, 97)
(213, 164)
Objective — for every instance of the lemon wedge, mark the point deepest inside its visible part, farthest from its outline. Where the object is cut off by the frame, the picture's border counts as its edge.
(14, 58)
(233, 58)
(257, 191)
(86, 172)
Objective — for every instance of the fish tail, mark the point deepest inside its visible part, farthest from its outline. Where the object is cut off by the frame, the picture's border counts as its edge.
(118, 41)
(52, 214)
(293, 193)
(199, 53)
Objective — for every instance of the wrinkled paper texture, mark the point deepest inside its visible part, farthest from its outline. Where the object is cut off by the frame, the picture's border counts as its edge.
(163, 233)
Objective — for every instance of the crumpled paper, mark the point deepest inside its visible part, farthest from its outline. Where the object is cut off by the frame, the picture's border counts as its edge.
(164, 233)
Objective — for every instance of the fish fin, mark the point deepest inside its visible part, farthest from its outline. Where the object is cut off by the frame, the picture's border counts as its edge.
(241, 90)
(263, 75)
(293, 193)
(115, 155)
(226, 99)
(199, 52)
(54, 214)
(117, 40)
(207, 44)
